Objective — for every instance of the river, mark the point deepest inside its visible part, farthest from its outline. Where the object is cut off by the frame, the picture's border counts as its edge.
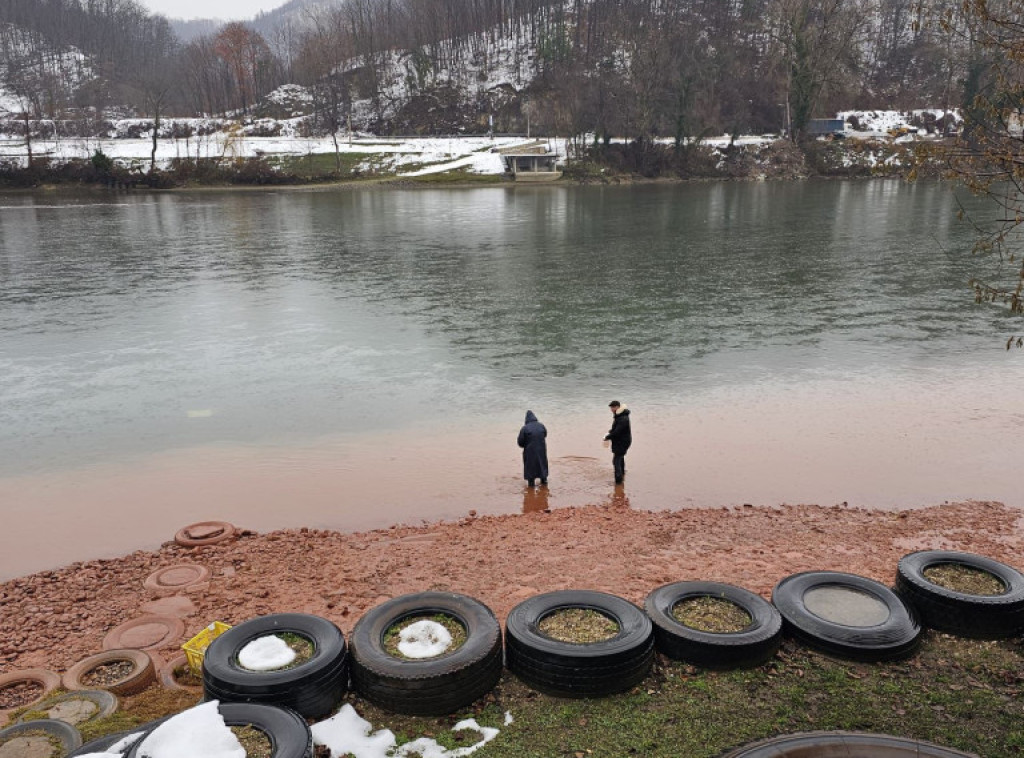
(355, 357)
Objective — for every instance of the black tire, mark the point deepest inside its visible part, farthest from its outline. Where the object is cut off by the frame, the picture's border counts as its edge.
(103, 744)
(567, 669)
(431, 686)
(986, 617)
(750, 646)
(288, 733)
(895, 636)
(814, 744)
(70, 738)
(312, 689)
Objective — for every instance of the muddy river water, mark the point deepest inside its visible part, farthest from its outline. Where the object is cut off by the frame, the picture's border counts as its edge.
(356, 357)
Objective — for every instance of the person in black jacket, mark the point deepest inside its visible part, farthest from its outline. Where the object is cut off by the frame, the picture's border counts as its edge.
(533, 441)
(621, 438)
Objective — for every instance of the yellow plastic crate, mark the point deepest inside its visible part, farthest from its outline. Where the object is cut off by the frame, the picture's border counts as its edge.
(195, 648)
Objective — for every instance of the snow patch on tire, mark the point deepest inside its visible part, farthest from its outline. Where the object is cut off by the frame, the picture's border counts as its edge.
(424, 639)
(266, 654)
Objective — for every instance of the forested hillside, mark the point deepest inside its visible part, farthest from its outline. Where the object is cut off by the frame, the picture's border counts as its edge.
(638, 69)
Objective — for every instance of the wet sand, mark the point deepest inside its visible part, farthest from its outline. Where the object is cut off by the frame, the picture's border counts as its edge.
(873, 443)
(53, 619)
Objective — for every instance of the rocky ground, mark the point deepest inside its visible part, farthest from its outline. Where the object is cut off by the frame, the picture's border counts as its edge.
(53, 619)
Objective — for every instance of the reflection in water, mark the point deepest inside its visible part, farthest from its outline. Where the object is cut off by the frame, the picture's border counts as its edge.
(538, 499)
(535, 499)
(619, 498)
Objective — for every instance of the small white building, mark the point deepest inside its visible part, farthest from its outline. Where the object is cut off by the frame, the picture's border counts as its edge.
(531, 163)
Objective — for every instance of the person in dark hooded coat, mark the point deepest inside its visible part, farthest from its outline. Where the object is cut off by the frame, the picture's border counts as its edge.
(533, 441)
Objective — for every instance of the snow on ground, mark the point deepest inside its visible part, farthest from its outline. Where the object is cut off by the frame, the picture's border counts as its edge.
(347, 733)
(70, 67)
(423, 155)
(423, 639)
(499, 66)
(197, 731)
(265, 654)
(201, 731)
(9, 103)
(293, 96)
(122, 745)
(410, 157)
(881, 122)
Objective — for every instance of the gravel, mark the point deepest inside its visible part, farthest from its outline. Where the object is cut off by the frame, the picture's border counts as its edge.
(55, 618)
(22, 693)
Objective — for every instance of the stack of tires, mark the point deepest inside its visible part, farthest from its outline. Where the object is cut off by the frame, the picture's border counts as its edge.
(312, 689)
(749, 646)
(986, 617)
(571, 669)
(432, 686)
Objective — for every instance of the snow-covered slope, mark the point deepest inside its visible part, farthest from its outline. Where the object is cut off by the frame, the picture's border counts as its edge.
(31, 68)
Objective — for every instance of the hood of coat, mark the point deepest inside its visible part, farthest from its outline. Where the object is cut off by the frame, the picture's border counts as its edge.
(530, 417)
(622, 411)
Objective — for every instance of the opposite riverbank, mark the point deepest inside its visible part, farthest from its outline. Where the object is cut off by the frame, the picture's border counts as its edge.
(126, 164)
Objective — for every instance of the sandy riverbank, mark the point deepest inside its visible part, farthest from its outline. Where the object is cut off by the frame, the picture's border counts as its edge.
(54, 618)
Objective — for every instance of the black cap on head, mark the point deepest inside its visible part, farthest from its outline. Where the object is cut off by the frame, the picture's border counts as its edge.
(614, 404)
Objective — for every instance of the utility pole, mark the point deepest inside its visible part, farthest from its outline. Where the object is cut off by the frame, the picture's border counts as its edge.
(786, 125)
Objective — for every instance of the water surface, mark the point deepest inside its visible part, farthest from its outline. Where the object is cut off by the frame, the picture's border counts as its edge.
(350, 358)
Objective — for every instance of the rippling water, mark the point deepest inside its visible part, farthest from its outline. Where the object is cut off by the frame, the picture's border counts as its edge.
(350, 357)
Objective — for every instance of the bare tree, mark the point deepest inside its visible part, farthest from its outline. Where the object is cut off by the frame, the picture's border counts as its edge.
(820, 40)
(248, 58)
(988, 156)
(325, 47)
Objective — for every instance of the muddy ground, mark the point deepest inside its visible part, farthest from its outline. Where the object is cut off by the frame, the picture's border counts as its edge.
(55, 618)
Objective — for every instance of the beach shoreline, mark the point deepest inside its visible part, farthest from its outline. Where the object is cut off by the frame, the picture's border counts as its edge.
(53, 619)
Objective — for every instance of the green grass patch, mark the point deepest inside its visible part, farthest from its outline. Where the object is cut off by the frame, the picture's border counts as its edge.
(964, 694)
(325, 165)
(152, 703)
(455, 176)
